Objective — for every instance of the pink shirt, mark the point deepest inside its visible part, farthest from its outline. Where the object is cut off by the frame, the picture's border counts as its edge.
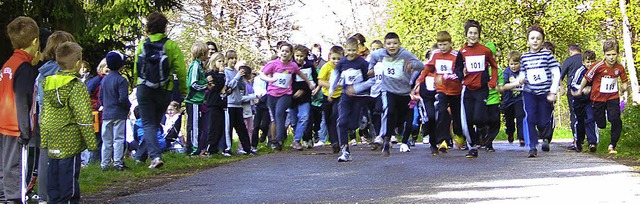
(283, 72)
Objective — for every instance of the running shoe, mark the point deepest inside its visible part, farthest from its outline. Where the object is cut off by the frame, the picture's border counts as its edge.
(612, 150)
(404, 148)
(473, 153)
(346, 155)
(394, 140)
(443, 147)
(545, 145)
(533, 153)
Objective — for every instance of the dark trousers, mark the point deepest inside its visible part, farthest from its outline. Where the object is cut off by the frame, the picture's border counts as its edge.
(236, 121)
(217, 120)
(513, 117)
(492, 125)
(612, 108)
(63, 185)
(444, 118)
(315, 119)
(538, 111)
(572, 115)
(348, 116)
(585, 122)
(396, 112)
(474, 115)
(261, 123)
(429, 100)
(194, 129)
(330, 110)
(278, 108)
(152, 104)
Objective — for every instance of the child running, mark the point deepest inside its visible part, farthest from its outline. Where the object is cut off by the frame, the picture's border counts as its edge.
(278, 73)
(399, 66)
(582, 108)
(512, 99)
(352, 71)
(448, 88)
(476, 80)
(330, 102)
(605, 97)
(540, 75)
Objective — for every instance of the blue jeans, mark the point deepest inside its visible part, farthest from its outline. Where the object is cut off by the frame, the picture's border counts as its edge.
(322, 133)
(152, 104)
(112, 142)
(300, 117)
(278, 108)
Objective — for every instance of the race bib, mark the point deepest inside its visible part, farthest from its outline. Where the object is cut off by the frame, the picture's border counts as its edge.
(430, 83)
(282, 80)
(475, 63)
(351, 76)
(609, 85)
(536, 76)
(378, 71)
(394, 69)
(517, 88)
(444, 66)
(306, 72)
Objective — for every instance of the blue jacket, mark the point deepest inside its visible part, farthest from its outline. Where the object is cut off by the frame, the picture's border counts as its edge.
(114, 97)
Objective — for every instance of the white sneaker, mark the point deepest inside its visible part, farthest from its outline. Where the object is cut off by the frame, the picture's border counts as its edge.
(241, 152)
(394, 140)
(425, 140)
(364, 140)
(378, 140)
(345, 156)
(353, 142)
(404, 148)
(318, 144)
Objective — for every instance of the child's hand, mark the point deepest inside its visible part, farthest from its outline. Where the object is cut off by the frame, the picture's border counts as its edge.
(209, 78)
(312, 86)
(521, 81)
(576, 92)
(241, 72)
(439, 80)
(586, 90)
(350, 90)
(551, 97)
(298, 94)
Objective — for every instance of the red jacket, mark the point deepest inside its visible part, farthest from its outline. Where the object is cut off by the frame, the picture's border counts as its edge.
(475, 72)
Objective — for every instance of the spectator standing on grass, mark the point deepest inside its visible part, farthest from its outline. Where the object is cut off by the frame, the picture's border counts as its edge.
(115, 103)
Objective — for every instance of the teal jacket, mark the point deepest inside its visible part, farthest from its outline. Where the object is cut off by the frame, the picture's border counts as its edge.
(176, 60)
(66, 122)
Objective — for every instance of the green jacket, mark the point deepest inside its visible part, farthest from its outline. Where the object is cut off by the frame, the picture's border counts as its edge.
(176, 60)
(494, 96)
(196, 82)
(66, 122)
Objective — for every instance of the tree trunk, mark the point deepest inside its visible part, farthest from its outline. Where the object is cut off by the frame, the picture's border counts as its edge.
(628, 53)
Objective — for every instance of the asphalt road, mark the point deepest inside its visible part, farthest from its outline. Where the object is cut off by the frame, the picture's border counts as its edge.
(315, 176)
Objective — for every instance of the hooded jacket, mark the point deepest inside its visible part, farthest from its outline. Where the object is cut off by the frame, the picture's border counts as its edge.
(66, 120)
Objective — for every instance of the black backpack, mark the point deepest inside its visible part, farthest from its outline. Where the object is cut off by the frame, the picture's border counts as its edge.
(153, 64)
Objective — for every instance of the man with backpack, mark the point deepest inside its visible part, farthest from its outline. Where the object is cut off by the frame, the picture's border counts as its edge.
(157, 60)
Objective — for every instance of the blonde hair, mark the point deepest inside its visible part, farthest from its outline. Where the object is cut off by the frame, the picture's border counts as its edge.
(212, 60)
(22, 31)
(102, 66)
(54, 41)
(199, 50)
(68, 55)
